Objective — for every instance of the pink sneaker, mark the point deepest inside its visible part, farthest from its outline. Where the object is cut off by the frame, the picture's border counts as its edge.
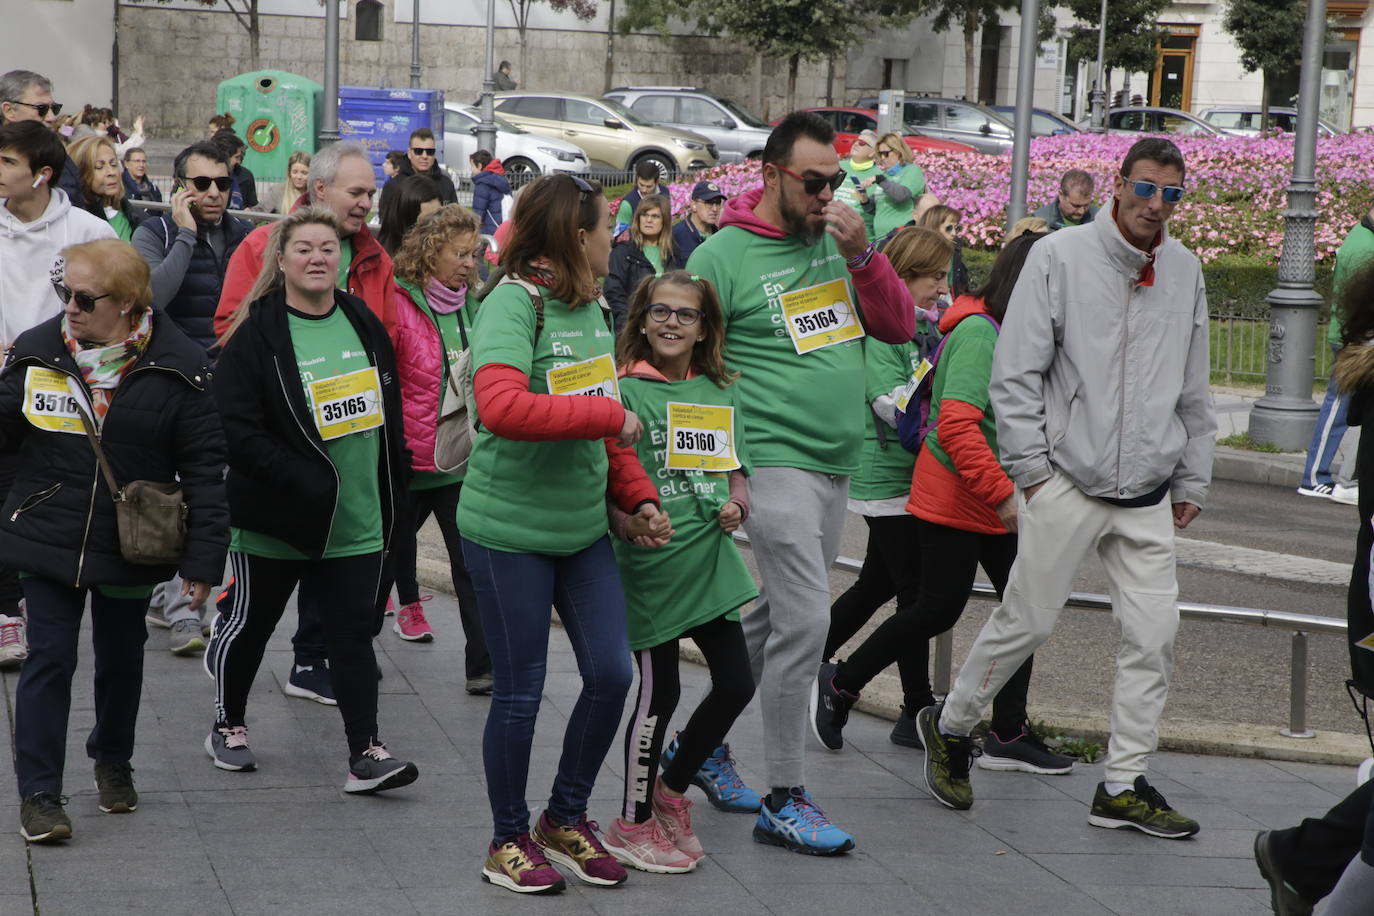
(390, 607)
(411, 624)
(675, 814)
(577, 848)
(646, 847)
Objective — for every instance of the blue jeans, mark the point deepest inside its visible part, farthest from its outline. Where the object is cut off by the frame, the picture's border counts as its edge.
(514, 593)
(1326, 437)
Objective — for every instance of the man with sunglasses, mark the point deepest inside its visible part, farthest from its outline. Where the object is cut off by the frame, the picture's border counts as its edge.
(1105, 424)
(27, 96)
(423, 158)
(800, 286)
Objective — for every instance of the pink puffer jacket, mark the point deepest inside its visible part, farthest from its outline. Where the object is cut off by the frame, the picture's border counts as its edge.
(420, 364)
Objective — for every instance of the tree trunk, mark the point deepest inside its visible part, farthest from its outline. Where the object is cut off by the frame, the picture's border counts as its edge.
(254, 33)
(970, 56)
(608, 82)
(792, 64)
(1264, 100)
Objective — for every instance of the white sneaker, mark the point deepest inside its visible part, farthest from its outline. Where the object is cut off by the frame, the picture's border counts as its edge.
(1365, 770)
(1350, 495)
(14, 648)
(1317, 489)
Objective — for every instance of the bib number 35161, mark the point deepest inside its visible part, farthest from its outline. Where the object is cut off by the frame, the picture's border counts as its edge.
(701, 437)
(347, 403)
(820, 316)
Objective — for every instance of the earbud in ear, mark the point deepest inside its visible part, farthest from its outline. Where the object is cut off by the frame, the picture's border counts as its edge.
(39, 180)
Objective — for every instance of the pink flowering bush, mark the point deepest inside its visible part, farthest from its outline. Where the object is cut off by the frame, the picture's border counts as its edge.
(1237, 187)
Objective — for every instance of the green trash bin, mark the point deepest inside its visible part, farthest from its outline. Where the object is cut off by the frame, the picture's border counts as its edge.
(276, 113)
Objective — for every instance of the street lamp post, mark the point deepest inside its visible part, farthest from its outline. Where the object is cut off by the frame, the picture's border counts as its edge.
(1025, 101)
(486, 128)
(1285, 415)
(329, 118)
(1099, 93)
(415, 44)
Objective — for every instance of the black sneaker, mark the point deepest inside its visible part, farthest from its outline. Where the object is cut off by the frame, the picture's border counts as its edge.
(115, 783)
(1282, 897)
(1024, 753)
(1142, 808)
(829, 708)
(312, 682)
(375, 770)
(905, 732)
(42, 818)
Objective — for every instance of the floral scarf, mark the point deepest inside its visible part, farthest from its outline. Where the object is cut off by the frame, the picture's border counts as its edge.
(104, 367)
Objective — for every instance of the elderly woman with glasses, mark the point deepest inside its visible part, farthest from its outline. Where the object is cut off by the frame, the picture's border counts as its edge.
(898, 184)
(59, 528)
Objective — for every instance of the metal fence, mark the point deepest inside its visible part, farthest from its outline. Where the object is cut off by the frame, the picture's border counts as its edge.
(1239, 347)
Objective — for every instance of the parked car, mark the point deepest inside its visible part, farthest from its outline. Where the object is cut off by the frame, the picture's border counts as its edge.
(737, 134)
(1044, 123)
(523, 153)
(613, 136)
(1149, 119)
(850, 122)
(1244, 120)
(953, 119)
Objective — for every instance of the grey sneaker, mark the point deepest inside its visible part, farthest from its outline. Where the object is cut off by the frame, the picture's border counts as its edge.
(228, 746)
(42, 818)
(480, 685)
(185, 638)
(375, 770)
(115, 783)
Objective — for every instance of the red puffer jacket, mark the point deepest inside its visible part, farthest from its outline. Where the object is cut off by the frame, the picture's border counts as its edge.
(420, 365)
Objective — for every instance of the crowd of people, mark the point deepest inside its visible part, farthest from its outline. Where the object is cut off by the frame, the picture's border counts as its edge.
(185, 392)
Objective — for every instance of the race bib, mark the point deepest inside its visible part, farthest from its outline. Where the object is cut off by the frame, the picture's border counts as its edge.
(595, 376)
(347, 403)
(909, 389)
(820, 316)
(50, 403)
(701, 438)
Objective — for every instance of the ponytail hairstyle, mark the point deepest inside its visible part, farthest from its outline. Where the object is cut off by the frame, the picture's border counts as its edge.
(707, 358)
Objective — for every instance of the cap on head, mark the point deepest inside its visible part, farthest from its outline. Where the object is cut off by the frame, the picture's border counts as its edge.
(707, 190)
(869, 137)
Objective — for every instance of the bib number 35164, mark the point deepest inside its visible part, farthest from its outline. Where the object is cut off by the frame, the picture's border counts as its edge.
(347, 403)
(820, 316)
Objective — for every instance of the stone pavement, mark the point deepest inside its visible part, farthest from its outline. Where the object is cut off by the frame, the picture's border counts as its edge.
(286, 840)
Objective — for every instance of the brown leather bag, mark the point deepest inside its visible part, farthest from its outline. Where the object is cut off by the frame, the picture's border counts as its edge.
(151, 514)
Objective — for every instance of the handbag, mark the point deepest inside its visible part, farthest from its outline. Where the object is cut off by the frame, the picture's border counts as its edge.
(151, 514)
(457, 428)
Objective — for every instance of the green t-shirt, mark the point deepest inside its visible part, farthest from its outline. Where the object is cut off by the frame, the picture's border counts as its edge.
(800, 411)
(544, 497)
(889, 215)
(345, 262)
(655, 256)
(327, 347)
(452, 339)
(848, 192)
(1357, 248)
(884, 470)
(963, 374)
(121, 225)
(699, 575)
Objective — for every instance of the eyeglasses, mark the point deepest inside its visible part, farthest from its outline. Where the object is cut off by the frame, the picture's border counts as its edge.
(84, 301)
(202, 182)
(685, 316)
(423, 150)
(813, 185)
(1172, 194)
(41, 108)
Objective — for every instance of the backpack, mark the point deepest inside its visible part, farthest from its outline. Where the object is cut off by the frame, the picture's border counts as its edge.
(914, 423)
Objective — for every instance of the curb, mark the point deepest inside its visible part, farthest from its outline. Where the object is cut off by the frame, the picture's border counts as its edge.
(1279, 470)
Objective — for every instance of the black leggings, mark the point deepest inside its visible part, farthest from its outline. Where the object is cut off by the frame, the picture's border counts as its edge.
(442, 502)
(721, 641)
(949, 562)
(890, 570)
(346, 589)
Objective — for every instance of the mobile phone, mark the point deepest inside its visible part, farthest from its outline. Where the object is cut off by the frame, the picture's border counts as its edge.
(855, 180)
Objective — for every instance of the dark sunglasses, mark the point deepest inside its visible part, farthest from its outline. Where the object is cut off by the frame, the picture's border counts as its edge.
(423, 150)
(1172, 194)
(582, 185)
(202, 182)
(685, 316)
(84, 301)
(813, 185)
(42, 109)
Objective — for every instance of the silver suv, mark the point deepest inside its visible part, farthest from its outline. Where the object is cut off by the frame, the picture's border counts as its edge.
(737, 134)
(953, 119)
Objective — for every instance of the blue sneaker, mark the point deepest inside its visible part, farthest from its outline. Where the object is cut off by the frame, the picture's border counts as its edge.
(719, 779)
(801, 827)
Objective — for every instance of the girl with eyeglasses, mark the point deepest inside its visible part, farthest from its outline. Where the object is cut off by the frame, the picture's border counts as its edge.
(674, 377)
(896, 187)
(648, 252)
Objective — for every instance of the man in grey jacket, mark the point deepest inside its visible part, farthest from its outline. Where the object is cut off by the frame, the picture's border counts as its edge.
(1105, 423)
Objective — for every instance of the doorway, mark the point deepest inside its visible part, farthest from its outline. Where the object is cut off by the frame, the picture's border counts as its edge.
(1171, 85)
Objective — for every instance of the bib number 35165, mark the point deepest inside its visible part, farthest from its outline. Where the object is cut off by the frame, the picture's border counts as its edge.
(820, 316)
(347, 403)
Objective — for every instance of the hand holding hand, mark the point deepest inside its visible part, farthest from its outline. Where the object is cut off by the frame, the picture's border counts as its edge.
(649, 526)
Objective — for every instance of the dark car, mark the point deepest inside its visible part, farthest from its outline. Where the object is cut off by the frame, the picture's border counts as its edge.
(1044, 123)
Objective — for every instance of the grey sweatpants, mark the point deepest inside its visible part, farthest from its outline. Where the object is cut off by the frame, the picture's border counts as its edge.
(795, 521)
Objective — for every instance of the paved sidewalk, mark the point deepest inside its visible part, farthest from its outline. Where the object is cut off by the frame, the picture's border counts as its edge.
(286, 840)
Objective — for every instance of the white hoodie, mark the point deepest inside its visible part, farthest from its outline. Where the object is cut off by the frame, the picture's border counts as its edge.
(30, 257)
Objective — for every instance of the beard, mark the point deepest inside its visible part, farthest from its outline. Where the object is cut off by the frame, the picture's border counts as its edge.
(794, 221)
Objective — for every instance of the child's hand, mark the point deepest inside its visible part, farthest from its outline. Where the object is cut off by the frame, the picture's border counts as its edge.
(730, 516)
(649, 527)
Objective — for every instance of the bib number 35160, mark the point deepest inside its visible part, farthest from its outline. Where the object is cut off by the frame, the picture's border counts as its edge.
(701, 437)
(347, 403)
(820, 316)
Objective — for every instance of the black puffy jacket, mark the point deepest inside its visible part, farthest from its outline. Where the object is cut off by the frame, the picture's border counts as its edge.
(59, 519)
(281, 480)
(629, 266)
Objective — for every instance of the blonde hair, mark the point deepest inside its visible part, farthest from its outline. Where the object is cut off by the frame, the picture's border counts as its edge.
(917, 252)
(897, 144)
(419, 251)
(290, 195)
(83, 152)
(665, 230)
(122, 270)
(270, 276)
(1027, 225)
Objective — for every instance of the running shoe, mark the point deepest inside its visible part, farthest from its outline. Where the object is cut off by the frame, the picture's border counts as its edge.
(1364, 771)
(1141, 808)
(115, 783)
(480, 685)
(675, 815)
(577, 848)
(801, 826)
(1349, 496)
(411, 625)
(184, 637)
(43, 819)
(1024, 753)
(646, 847)
(1324, 490)
(390, 610)
(829, 708)
(904, 731)
(155, 618)
(721, 782)
(947, 761)
(1282, 897)
(311, 682)
(228, 747)
(375, 770)
(519, 865)
(14, 648)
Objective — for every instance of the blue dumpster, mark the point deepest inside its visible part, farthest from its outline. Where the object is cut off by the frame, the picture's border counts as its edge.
(382, 119)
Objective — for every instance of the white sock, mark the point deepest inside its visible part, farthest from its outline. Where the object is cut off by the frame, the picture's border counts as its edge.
(1116, 788)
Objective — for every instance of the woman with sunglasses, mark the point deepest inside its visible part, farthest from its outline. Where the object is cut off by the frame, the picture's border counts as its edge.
(945, 220)
(102, 184)
(895, 188)
(533, 517)
(145, 388)
(648, 252)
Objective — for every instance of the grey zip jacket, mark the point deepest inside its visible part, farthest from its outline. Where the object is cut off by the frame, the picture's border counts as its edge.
(1100, 378)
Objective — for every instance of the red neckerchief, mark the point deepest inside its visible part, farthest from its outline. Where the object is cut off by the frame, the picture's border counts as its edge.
(540, 273)
(1147, 273)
